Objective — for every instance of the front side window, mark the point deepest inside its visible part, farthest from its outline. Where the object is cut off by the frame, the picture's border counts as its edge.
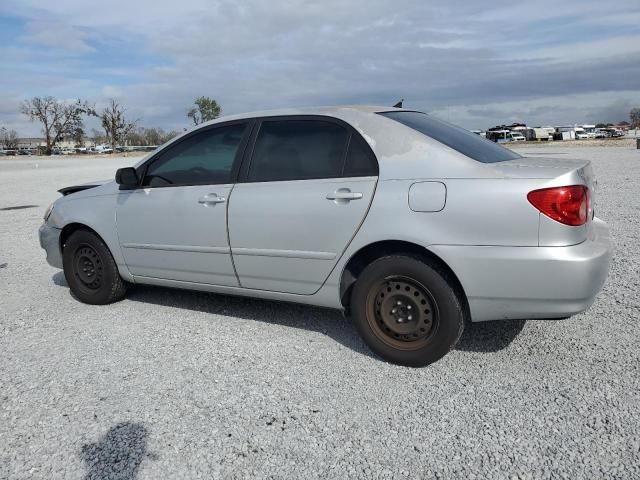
(298, 150)
(464, 141)
(205, 158)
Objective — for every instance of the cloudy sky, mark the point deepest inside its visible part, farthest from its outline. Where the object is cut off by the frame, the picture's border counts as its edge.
(473, 63)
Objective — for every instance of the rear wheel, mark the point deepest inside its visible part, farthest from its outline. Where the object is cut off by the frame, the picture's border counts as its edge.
(90, 270)
(407, 310)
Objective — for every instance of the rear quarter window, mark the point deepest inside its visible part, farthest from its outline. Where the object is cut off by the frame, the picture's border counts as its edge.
(459, 139)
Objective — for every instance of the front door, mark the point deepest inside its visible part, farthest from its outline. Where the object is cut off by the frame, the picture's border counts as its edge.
(175, 225)
(306, 192)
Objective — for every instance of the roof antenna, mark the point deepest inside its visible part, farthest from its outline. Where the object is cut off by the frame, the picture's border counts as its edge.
(399, 104)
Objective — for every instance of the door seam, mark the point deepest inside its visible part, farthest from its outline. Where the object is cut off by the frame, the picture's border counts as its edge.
(233, 263)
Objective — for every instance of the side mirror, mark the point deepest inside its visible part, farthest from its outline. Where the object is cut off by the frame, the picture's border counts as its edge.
(127, 177)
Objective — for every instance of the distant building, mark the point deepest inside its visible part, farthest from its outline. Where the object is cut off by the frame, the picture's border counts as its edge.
(33, 143)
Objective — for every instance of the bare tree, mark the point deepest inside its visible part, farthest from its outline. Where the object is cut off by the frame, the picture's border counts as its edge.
(96, 137)
(634, 116)
(8, 138)
(204, 109)
(149, 136)
(78, 137)
(114, 123)
(59, 118)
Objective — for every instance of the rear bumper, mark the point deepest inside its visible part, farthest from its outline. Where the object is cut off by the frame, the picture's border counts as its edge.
(531, 282)
(50, 242)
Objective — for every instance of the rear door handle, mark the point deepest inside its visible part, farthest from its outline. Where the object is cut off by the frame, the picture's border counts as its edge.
(211, 199)
(344, 194)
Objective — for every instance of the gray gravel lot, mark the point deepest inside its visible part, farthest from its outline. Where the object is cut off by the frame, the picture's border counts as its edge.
(175, 384)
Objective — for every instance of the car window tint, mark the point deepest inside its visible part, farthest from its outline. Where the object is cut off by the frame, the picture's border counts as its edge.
(298, 150)
(205, 158)
(464, 141)
(361, 161)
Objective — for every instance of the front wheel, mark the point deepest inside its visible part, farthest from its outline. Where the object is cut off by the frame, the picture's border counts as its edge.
(90, 270)
(407, 310)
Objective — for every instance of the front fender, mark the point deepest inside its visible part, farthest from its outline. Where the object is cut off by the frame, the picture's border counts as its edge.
(97, 213)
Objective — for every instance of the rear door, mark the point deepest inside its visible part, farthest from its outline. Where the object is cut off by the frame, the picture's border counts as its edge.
(304, 192)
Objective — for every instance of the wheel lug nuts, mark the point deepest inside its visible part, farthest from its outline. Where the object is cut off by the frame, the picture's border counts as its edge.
(409, 318)
(408, 307)
(398, 302)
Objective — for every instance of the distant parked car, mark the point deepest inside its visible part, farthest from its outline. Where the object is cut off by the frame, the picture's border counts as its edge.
(411, 224)
(517, 137)
(102, 149)
(581, 135)
(499, 136)
(617, 132)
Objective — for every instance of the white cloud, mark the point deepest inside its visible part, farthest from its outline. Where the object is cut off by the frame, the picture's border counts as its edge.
(460, 56)
(57, 35)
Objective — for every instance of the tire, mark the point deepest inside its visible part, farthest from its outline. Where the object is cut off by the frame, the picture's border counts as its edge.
(90, 270)
(394, 330)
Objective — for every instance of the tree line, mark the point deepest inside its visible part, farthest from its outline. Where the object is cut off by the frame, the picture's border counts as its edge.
(64, 120)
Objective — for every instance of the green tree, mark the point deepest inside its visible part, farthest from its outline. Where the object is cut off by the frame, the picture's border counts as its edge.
(59, 118)
(204, 109)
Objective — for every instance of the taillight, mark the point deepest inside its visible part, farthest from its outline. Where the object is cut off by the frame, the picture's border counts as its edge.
(568, 205)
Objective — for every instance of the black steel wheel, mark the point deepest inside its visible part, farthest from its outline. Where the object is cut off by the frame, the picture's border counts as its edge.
(90, 270)
(407, 309)
(402, 312)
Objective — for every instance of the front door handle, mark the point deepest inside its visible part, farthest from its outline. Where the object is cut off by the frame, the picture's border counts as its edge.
(211, 199)
(344, 194)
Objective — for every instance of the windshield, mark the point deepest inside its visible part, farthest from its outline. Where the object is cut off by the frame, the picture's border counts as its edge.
(461, 140)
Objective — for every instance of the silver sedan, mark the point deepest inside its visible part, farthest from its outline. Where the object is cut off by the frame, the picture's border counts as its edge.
(413, 226)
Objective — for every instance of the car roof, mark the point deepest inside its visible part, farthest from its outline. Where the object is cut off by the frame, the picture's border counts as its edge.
(338, 111)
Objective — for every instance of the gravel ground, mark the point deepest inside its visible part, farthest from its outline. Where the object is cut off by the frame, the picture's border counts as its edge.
(175, 384)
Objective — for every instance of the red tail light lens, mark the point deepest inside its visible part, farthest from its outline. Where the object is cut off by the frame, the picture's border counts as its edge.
(568, 205)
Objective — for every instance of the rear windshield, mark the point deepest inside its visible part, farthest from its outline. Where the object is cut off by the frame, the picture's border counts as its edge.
(465, 142)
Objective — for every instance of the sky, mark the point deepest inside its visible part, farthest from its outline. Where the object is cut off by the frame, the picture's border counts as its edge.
(477, 64)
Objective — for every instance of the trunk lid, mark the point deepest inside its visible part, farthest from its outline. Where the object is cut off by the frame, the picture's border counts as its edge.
(554, 172)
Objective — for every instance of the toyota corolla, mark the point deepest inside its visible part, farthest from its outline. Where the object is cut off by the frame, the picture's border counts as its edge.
(413, 226)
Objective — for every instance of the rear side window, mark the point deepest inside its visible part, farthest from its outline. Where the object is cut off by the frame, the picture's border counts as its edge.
(298, 150)
(465, 142)
(205, 158)
(360, 159)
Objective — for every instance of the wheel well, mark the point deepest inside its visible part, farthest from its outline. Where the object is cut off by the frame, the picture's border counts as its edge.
(70, 229)
(368, 254)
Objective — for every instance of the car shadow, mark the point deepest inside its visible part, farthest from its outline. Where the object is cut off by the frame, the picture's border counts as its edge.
(478, 337)
(315, 319)
(490, 336)
(117, 455)
(59, 280)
